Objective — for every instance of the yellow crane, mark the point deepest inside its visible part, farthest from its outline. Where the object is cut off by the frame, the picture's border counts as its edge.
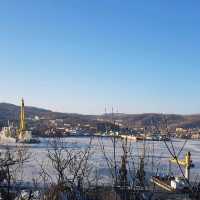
(22, 125)
(186, 163)
(176, 183)
(22, 116)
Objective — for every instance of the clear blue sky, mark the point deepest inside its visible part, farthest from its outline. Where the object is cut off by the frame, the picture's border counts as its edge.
(80, 55)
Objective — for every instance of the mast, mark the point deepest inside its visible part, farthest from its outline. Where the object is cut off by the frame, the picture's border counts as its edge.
(114, 146)
(141, 170)
(106, 126)
(123, 170)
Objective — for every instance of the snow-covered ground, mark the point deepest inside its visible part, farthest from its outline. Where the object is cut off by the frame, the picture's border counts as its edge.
(156, 153)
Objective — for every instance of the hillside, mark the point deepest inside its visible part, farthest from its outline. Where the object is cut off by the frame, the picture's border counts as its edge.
(11, 112)
(146, 119)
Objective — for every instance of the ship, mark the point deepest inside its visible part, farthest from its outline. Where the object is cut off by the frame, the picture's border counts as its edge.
(132, 137)
(153, 137)
(8, 134)
(12, 134)
(157, 137)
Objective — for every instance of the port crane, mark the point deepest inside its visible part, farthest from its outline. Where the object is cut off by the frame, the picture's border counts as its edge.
(176, 183)
(23, 133)
(186, 163)
(22, 123)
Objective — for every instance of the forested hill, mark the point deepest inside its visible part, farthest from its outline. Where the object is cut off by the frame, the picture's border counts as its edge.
(11, 112)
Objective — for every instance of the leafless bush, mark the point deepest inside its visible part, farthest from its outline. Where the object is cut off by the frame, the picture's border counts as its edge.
(11, 170)
(71, 167)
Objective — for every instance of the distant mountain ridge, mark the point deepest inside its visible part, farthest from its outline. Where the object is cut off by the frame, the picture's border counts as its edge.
(145, 119)
(11, 112)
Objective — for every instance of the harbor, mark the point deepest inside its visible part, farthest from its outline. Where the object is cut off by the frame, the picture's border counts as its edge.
(157, 165)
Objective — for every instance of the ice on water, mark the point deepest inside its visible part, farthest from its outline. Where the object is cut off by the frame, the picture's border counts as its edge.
(156, 155)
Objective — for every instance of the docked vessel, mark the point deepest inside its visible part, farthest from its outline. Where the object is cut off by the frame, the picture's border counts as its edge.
(13, 134)
(153, 137)
(157, 137)
(8, 134)
(132, 137)
(171, 183)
